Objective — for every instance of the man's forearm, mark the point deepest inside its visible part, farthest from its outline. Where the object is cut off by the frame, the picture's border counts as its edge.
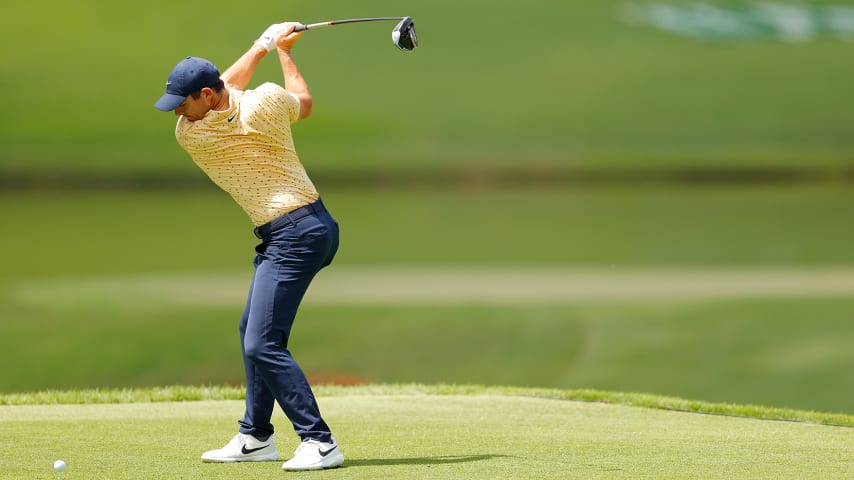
(239, 74)
(294, 82)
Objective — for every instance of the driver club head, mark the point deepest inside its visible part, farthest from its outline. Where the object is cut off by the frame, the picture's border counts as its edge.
(404, 36)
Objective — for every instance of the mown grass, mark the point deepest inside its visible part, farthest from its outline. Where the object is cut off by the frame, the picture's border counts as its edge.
(184, 393)
(81, 233)
(784, 352)
(588, 90)
(427, 432)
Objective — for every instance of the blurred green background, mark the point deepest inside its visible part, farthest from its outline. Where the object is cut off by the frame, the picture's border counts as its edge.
(541, 136)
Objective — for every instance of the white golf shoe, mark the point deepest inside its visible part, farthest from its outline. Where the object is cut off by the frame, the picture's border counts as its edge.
(315, 455)
(244, 448)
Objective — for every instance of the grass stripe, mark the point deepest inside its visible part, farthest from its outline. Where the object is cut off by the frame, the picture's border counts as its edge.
(206, 393)
(417, 285)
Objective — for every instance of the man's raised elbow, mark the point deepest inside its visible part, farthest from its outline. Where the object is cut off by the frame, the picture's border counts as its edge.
(305, 104)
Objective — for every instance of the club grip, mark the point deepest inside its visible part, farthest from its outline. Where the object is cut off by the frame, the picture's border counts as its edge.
(300, 28)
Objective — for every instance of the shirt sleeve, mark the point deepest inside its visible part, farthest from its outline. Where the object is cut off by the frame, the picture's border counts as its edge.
(280, 99)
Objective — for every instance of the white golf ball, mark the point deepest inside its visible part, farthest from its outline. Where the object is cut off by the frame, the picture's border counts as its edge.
(59, 466)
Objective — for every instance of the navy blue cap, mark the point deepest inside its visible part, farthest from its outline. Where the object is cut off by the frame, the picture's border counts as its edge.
(189, 75)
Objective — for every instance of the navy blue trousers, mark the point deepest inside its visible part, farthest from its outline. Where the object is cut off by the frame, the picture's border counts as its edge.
(294, 248)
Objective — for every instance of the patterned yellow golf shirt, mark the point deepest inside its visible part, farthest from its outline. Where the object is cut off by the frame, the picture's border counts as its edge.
(248, 150)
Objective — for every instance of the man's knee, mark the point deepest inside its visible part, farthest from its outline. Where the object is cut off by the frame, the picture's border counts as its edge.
(256, 351)
(264, 352)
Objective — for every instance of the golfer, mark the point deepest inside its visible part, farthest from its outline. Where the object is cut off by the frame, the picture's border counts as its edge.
(242, 140)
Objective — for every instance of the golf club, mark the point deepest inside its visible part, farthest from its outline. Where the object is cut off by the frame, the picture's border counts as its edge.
(403, 34)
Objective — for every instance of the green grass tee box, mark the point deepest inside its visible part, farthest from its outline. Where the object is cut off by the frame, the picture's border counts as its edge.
(399, 436)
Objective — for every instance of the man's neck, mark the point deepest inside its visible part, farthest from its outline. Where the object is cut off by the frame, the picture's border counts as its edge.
(223, 103)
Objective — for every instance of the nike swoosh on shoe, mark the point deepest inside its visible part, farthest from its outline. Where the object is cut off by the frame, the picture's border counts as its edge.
(323, 454)
(247, 451)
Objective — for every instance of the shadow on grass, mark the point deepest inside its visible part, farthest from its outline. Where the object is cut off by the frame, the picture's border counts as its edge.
(374, 462)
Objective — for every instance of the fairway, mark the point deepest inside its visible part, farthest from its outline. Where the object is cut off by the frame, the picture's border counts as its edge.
(728, 294)
(400, 436)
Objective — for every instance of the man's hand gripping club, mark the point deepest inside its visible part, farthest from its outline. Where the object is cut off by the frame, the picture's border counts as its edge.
(275, 32)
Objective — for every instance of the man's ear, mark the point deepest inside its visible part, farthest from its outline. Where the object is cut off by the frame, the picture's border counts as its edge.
(208, 94)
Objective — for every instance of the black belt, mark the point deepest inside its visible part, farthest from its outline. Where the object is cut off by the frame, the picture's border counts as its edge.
(290, 217)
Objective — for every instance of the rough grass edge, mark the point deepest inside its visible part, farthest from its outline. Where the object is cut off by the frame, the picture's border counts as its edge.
(643, 400)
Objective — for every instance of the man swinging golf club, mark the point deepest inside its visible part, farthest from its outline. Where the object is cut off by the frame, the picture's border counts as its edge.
(242, 140)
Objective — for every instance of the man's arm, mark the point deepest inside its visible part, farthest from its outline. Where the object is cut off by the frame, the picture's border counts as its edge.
(294, 82)
(238, 75)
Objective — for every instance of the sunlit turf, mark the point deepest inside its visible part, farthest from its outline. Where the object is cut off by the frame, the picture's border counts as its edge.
(184, 393)
(411, 432)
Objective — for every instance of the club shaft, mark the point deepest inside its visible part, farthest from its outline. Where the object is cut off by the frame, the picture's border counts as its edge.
(349, 20)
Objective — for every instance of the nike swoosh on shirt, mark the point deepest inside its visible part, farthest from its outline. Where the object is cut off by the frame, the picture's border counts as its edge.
(232, 117)
(247, 451)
